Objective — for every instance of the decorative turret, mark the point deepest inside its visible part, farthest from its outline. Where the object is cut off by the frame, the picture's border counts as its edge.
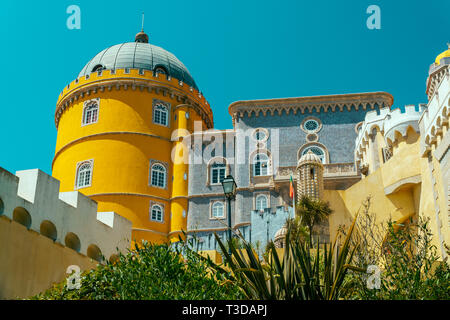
(437, 71)
(310, 176)
(280, 237)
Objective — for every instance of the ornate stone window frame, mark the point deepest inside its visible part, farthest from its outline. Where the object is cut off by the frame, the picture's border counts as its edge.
(314, 144)
(79, 164)
(319, 123)
(157, 102)
(166, 166)
(163, 213)
(88, 104)
(225, 209)
(257, 194)
(213, 160)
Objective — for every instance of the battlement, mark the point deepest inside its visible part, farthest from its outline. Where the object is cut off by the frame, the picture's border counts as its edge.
(391, 123)
(32, 198)
(130, 78)
(373, 120)
(437, 112)
(398, 122)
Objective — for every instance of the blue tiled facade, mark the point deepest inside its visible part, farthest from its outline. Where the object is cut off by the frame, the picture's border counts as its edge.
(286, 137)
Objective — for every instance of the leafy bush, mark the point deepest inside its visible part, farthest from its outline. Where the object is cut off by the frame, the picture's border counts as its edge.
(409, 264)
(151, 271)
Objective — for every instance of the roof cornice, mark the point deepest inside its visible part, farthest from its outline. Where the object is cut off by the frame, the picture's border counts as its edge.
(308, 104)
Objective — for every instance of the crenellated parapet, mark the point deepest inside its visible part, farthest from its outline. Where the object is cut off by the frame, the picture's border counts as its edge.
(392, 124)
(32, 198)
(373, 121)
(133, 79)
(434, 121)
(436, 74)
(397, 122)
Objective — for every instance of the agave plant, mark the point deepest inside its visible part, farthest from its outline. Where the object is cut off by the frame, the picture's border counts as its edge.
(300, 272)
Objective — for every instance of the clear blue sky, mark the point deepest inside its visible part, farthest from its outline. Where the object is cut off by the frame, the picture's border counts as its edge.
(235, 50)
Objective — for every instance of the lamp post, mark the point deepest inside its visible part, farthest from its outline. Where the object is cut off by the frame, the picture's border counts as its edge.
(229, 189)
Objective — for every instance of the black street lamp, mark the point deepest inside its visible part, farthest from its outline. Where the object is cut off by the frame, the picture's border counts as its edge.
(229, 189)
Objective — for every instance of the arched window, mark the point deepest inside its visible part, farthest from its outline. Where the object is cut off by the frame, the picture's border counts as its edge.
(98, 67)
(158, 176)
(218, 209)
(160, 115)
(261, 165)
(218, 171)
(317, 151)
(261, 202)
(156, 213)
(90, 112)
(84, 175)
(160, 70)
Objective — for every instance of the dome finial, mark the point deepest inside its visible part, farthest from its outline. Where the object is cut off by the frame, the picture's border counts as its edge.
(141, 36)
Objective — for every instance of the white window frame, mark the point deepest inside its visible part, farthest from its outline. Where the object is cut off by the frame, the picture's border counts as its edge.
(158, 172)
(161, 208)
(93, 104)
(156, 108)
(223, 167)
(256, 162)
(213, 204)
(266, 197)
(78, 173)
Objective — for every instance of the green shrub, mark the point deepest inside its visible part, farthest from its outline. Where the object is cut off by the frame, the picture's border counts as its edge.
(151, 271)
(410, 268)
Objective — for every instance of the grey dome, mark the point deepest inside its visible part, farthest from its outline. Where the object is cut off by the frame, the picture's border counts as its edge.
(139, 55)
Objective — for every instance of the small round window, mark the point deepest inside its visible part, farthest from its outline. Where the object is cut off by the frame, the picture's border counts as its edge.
(260, 134)
(311, 125)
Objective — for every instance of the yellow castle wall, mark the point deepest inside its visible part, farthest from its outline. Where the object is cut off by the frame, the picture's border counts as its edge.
(121, 144)
(30, 262)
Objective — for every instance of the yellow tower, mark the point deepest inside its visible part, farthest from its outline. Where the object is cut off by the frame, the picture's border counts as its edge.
(120, 128)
